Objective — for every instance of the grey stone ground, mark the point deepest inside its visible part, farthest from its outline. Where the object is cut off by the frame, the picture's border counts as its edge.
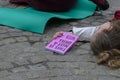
(23, 56)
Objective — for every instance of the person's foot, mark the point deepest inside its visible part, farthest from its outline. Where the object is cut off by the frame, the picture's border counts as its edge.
(101, 4)
(117, 15)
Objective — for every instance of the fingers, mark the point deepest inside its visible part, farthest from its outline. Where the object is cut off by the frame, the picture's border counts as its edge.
(58, 34)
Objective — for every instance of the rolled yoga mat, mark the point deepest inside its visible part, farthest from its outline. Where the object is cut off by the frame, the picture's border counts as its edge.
(33, 20)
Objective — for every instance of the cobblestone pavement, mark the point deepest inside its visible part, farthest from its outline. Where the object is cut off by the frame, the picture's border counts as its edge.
(23, 56)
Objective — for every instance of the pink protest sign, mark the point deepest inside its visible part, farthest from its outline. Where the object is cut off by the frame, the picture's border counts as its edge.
(63, 43)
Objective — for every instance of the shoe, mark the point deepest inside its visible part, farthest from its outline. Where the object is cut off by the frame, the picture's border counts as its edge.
(116, 15)
(101, 4)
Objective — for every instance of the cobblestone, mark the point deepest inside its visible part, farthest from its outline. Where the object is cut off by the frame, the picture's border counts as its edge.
(23, 55)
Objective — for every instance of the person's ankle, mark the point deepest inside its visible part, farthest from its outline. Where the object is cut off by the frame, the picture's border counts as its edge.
(101, 4)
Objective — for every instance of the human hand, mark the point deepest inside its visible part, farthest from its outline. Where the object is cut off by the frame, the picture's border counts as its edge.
(58, 34)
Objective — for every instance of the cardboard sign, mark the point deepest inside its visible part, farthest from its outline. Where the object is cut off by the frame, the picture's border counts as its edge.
(63, 43)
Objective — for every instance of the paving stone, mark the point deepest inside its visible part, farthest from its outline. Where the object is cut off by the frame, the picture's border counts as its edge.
(37, 67)
(3, 36)
(38, 59)
(74, 77)
(21, 39)
(27, 33)
(17, 76)
(33, 38)
(2, 30)
(5, 65)
(4, 74)
(19, 69)
(23, 55)
(7, 41)
(37, 74)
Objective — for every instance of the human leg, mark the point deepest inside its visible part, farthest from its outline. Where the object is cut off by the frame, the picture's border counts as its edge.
(48, 5)
(102, 4)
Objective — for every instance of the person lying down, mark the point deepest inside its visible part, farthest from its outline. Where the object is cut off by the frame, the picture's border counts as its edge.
(104, 41)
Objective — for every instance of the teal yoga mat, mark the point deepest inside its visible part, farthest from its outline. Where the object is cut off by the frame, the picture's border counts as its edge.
(35, 21)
